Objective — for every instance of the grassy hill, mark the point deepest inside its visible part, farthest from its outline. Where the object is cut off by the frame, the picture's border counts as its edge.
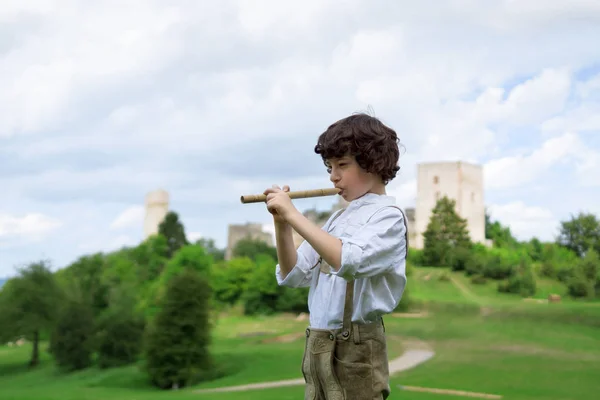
(531, 357)
(484, 341)
(434, 284)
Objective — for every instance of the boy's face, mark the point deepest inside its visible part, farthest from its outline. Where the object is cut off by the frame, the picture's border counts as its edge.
(347, 175)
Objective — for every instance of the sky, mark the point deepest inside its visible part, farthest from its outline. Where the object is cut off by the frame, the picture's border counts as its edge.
(105, 101)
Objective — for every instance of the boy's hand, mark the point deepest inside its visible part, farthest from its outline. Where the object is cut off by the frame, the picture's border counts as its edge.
(279, 203)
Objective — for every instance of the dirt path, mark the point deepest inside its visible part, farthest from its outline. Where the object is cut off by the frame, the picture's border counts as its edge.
(417, 352)
(466, 291)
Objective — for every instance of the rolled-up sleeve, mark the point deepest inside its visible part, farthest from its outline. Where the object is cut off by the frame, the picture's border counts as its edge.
(375, 248)
(300, 275)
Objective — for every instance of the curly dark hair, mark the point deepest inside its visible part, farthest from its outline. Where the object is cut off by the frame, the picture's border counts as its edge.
(373, 144)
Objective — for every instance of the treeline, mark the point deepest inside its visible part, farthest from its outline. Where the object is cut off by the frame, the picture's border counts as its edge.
(571, 259)
(153, 304)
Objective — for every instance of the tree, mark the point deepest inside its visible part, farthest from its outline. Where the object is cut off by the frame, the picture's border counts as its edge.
(120, 332)
(84, 279)
(580, 233)
(521, 282)
(536, 249)
(262, 291)
(445, 232)
(211, 248)
(177, 352)
(584, 280)
(151, 256)
(189, 257)
(29, 304)
(252, 248)
(230, 279)
(500, 235)
(71, 342)
(172, 229)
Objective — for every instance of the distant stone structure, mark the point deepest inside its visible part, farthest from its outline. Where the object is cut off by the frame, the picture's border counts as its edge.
(458, 180)
(157, 207)
(249, 230)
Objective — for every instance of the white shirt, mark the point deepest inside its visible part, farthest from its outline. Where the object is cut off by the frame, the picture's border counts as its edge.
(373, 238)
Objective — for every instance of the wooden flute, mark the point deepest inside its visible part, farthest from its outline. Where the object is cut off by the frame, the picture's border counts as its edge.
(300, 194)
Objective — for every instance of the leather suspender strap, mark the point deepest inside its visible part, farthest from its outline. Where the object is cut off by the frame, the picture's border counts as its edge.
(349, 298)
(405, 228)
(348, 309)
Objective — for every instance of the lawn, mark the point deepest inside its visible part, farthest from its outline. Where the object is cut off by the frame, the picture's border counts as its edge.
(517, 349)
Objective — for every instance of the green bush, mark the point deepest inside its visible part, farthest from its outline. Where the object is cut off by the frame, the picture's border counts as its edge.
(459, 258)
(497, 267)
(71, 342)
(230, 279)
(475, 264)
(584, 279)
(293, 300)
(178, 340)
(549, 268)
(558, 262)
(120, 337)
(478, 279)
(262, 291)
(415, 257)
(522, 282)
(564, 273)
(579, 286)
(590, 265)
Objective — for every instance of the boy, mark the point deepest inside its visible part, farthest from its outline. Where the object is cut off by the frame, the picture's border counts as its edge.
(354, 264)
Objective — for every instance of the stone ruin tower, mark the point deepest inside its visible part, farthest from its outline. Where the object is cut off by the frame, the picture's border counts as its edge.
(157, 207)
(458, 180)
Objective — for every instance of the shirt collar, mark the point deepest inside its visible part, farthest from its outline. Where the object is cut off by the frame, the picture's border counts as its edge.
(372, 198)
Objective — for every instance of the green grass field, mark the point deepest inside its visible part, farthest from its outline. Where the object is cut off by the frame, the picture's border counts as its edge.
(517, 349)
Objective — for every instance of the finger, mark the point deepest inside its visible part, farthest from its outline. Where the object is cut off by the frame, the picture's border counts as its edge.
(286, 188)
(276, 187)
(271, 190)
(272, 207)
(271, 196)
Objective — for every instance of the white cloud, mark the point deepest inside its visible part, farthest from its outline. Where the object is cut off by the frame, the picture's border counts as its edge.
(517, 170)
(131, 217)
(107, 244)
(588, 168)
(71, 54)
(526, 221)
(405, 193)
(538, 98)
(193, 236)
(28, 226)
(585, 116)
